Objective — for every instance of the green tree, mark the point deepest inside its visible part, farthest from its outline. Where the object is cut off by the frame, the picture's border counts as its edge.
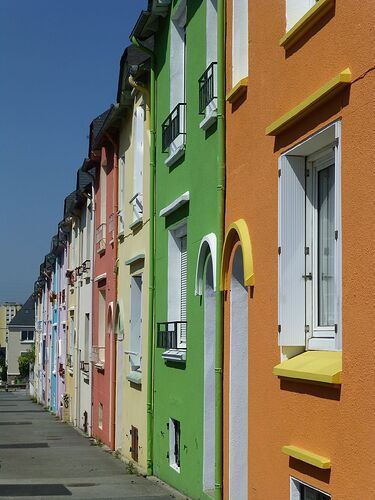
(24, 361)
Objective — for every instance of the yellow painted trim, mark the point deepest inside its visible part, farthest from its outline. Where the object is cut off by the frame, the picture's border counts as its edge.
(316, 366)
(307, 456)
(237, 90)
(237, 231)
(306, 22)
(303, 108)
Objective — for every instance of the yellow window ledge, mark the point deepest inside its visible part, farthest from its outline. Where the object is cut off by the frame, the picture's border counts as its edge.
(307, 456)
(311, 17)
(237, 91)
(314, 366)
(317, 98)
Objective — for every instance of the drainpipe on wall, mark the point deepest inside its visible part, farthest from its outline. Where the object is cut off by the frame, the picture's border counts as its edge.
(220, 240)
(150, 377)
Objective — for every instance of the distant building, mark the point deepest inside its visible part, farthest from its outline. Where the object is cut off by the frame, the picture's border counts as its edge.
(7, 312)
(21, 337)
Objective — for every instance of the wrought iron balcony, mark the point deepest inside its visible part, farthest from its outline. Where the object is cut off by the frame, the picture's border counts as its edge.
(69, 361)
(173, 126)
(207, 87)
(171, 335)
(101, 238)
(84, 366)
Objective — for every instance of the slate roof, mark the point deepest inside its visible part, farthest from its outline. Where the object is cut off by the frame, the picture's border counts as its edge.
(25, 316)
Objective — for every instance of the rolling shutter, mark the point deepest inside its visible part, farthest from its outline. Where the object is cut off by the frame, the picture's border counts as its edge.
(292, 251)
(183, 242)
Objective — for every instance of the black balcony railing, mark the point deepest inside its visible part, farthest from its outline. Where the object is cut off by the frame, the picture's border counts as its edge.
(173, 126)
(84, 366)
(207, 87)
(171, 335)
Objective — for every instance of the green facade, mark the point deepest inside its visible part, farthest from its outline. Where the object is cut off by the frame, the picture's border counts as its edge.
(179, 386)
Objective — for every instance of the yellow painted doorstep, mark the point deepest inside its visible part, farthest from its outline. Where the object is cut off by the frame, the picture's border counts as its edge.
(317, 366)
(311, 17)
(303, 108)
(307, 456)
(237, 90)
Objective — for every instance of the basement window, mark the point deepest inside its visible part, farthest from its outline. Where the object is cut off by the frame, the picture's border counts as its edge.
(302, 491)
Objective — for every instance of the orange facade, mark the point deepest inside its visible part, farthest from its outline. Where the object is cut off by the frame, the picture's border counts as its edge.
(331, 420)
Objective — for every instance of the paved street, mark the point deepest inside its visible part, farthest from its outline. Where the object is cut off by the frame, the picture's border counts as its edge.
(41, 457)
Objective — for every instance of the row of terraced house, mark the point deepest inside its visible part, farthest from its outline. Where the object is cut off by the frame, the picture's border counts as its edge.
(205, 307)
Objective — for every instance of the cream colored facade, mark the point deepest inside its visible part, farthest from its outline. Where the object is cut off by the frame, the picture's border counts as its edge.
(133, 282)
(7, 312)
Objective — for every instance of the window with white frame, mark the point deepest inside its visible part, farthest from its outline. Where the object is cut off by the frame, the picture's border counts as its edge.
(310, 243)
(302, 491)
(102, 324)
(135, 322)
(27, 336)
(295, 9)
(174, 444)
(177, 281)
(103, 194)
(208, 81)
(137, 198)
(121, 196)
(239, 41)
(176, 122)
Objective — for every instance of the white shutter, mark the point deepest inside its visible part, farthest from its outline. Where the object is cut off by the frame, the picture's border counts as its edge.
(183, 297)
(338, 247)
(135, 320)
(138, 164)
(292, 251)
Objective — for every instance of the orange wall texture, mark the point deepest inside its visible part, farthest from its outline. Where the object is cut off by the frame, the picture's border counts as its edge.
(336, 423)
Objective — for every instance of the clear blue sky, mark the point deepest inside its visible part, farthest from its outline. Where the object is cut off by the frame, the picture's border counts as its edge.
(59, 64)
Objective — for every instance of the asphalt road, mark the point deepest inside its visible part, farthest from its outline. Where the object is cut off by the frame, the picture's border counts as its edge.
(44, 458)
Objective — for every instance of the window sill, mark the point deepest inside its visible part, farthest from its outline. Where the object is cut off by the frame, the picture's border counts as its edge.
(99, 365)
(209, 119)
(135, 377)
(311, 17)
(176, 355)
(307, 105)
(312, 366)
(175, 156)
(307, 457)
(136, 223)
(237, 91)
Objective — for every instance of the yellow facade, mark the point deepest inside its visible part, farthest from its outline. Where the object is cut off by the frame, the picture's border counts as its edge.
(133, 264)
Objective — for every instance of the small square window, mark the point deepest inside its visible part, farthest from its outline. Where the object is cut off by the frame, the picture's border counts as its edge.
(27, 336)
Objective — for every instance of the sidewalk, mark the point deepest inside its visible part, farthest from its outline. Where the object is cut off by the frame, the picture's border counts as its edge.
(44, 458)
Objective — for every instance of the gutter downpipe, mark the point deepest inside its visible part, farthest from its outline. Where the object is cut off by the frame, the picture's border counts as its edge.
(150, 373)
(220, 240)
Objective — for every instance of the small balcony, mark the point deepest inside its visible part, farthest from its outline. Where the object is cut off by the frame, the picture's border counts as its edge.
(69, 361)
(174, 134)
(171, 335)
(101, 238)
(84, 367)
(98, 356)
(208, 96)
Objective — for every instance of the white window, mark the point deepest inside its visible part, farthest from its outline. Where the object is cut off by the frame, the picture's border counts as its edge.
(135, 322)
(86, 351)
(103, 194)
(137, 198)
(101, 336)
(310, 243)
(176, 127)
(208, 81)
(27, 336)
(121, 195)
(295, 9)
(100, 416)
(174, 443)
(177, 282)
(239, 41)
(302, 491)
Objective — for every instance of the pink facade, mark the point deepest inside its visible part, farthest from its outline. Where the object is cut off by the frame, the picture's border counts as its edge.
(104, 296)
